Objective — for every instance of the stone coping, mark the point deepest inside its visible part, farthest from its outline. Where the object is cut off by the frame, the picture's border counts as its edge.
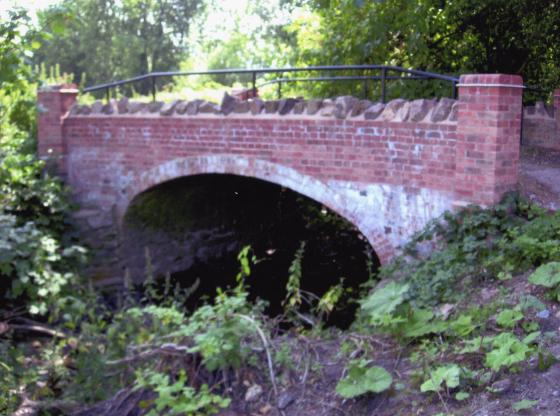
(443, 110)
(539, 110)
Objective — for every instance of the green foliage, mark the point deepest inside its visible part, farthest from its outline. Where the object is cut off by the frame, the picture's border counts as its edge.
(448, 375)
(508, 318)
(524, 405)
(178, 398)
(34, 260)
(548, 275)
(219, 331)
(115, 39)
(462, 36)
(468, 247)
(507, 351)
(293, 298)
(384, 301)
(361, 379)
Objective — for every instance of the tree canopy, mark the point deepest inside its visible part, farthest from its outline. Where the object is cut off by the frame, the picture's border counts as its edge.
(110, 39)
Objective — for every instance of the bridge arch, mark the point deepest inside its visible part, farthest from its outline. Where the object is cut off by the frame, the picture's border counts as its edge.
(324, 193)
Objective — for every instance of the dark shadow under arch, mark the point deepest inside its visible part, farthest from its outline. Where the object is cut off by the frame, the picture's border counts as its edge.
(207, 218)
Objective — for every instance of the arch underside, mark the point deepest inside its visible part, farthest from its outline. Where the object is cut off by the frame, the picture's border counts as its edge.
(377, 210)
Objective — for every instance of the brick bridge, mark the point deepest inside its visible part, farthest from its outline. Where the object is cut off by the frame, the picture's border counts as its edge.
(387, 168)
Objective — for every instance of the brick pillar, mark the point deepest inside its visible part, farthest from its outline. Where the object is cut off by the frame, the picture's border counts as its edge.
(488, 137)
(53, 103)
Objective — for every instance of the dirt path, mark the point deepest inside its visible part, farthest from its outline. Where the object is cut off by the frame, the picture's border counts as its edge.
(539, 176)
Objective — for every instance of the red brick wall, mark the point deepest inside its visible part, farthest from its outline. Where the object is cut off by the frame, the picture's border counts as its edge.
(416, 155)
(541, 124)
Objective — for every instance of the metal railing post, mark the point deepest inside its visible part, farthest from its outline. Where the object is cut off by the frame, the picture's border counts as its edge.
(383, 90)
(108, 95)
(153, 88)
(254, 84)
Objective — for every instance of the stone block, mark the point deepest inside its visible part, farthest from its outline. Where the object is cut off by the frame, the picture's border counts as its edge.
(271, 107)
(343, 106)
(208, 107)
(392, 108)
(169, 108)
(241, 107)
(360, 107)
(135, 107)
(228, 104)
(286, 105)
(97, 107)
(256, 105)
(300, 106)
(327, 108)
(122, 105)
(313, 106)
(374, 111)
(155, 106)
(419, 109)
(442, 110)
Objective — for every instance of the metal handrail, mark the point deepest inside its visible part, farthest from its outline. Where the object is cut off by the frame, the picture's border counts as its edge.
(383, 77)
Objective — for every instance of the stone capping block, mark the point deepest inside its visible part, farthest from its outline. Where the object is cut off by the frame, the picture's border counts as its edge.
(419, 109)
(136, 107)
(228, 104)
(169, 108)
(122, 105)
(360, 107)
(300, 107)
(96, 107)
(344, 107)
(155, 106)
(313, 106)
(271, 107)
(442, 110)
(392, 108)
(256, 105)
(327, 108)
(286, 105)
(209, 108)
(373, 111)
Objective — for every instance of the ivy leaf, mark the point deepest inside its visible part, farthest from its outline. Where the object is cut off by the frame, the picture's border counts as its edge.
(547, 275)
(361, 379)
